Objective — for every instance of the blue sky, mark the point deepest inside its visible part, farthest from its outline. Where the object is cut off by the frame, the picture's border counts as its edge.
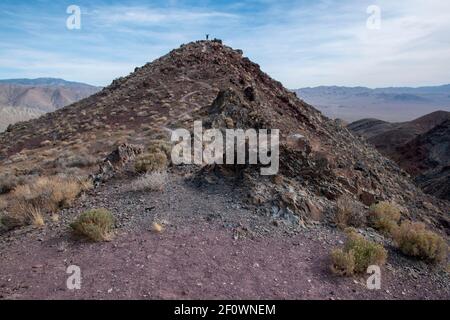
(300, 43)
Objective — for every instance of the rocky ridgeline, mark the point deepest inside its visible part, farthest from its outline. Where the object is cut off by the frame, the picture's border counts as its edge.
(320, 159)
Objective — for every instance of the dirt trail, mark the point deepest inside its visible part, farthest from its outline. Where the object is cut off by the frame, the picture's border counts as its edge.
(212, 248)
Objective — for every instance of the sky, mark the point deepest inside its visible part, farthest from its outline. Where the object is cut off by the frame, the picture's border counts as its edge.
(300, 43)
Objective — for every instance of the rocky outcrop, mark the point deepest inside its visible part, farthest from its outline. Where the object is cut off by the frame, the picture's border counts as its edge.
(116, 161)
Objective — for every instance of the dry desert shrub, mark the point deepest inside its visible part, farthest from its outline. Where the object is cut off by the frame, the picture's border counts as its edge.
(160, 145)
(80, 160)
(358, 254)
(151, 162)
(343, 263)
(349, 212)
(95, 225)
(154, 181)
(28, 202)
(8, 181)
(413, 239)
(384, 216)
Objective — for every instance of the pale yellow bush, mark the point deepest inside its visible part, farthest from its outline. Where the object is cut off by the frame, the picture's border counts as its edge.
(358, 254)
(415, 240)
(43, 195)
(151, 162)
(384, 216)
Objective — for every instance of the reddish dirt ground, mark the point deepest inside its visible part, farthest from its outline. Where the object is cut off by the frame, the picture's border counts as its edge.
(211, 248)
(198, 261)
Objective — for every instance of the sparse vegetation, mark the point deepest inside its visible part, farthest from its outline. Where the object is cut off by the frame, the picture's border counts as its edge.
(384, 216)
(343, 263)
(81, 160)
(357, 254)
(349, 212)
(154, 181)
(414, 240)
(151, 162)
(95, 225)
(160, 145)
(28, 202)
(8, 181)
(36, 218)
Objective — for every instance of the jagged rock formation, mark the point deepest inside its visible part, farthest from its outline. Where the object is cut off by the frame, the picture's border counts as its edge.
(214, 83)
(116, 161)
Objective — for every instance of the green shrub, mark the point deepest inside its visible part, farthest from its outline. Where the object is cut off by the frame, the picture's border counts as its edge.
(384, 216)
(343, 263)
(151, 162)
(413, 239)
(357, 254)
(160, 145)
(95, 225)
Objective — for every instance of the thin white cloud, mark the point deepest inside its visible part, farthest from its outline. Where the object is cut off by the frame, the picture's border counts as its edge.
(143, 15)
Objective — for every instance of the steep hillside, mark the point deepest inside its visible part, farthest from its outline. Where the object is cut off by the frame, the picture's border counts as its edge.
(10, 115)
(387, 137)
(420, 147)
(428, 158)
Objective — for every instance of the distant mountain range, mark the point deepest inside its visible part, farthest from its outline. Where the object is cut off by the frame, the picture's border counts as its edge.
(388, 104)
(24, 99)
(45, 82)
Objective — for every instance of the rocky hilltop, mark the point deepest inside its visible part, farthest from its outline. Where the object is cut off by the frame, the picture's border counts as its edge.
(171, 90)
(124, 130)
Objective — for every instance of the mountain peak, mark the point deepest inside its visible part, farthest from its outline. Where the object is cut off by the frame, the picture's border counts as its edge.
(210, 82)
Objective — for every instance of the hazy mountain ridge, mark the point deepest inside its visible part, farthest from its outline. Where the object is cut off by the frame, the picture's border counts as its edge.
(388, 104)
(45, 82)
